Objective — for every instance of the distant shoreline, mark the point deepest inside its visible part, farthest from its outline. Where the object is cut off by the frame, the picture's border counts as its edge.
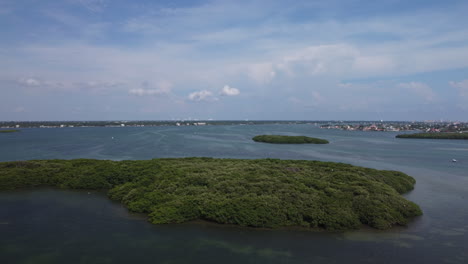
(371, 126)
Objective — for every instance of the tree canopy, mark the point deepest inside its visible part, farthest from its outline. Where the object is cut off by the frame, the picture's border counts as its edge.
(256, 193)
(435, 135)
(279, 139)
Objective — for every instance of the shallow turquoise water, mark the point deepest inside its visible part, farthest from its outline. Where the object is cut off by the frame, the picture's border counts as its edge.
(52, 226)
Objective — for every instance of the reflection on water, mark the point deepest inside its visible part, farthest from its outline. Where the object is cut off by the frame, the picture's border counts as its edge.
(52, 226)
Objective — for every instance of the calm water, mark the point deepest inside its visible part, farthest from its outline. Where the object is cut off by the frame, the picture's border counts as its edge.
(53, 226)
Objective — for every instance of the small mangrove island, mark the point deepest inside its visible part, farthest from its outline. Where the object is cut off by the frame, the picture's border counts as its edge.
(279, 139)
(9, 131)
(438, 135)
(265, 193)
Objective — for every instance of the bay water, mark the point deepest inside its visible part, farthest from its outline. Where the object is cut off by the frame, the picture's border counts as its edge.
(58, 226)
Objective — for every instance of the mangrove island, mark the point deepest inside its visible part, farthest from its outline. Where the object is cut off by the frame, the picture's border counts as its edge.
(9, 131)
(437, 135)
(279, 139)
(266, 193)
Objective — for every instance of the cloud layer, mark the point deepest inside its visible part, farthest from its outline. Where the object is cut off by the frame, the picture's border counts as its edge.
(306, 60)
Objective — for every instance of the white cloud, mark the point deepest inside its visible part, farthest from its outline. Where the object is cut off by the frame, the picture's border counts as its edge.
(420, 89)
(230, 91)
(29, 82)
(203, 95)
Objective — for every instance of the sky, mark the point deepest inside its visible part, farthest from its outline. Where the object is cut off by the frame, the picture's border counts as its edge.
(233, 60)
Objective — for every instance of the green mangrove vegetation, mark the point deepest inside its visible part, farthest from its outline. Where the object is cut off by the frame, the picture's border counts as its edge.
(436, 135)
(9, 131)
(256, 193)
(279, 139)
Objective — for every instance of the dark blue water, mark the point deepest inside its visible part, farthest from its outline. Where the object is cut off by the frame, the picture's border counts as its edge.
(52, 226)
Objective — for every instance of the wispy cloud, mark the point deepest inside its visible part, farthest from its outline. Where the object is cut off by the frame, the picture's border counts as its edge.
(29, 82)
(161, 88)
(5, 9)
(203, 95)
(420, 89)
(261, 73)
(462, 87)
(93, 5)
(144, 92)
(37, 84)
(20, 109)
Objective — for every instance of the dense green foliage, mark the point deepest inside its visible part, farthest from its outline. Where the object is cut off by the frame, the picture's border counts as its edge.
(278, 139)
(438, 135)
(9, 131)
(257, 193)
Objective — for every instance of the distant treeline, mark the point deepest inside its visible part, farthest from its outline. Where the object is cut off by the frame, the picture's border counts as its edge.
(278, 139)
(30, 124)
(435, 135)
(257, 193)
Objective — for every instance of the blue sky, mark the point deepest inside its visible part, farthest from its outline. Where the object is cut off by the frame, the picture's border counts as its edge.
(314, 60)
